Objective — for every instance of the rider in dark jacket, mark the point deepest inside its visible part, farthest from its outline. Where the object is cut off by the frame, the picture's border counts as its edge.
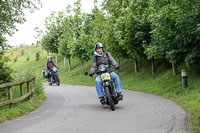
(101, 57)
(49, 65)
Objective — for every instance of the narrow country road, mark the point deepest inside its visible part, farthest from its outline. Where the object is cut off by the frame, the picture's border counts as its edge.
(76, 109)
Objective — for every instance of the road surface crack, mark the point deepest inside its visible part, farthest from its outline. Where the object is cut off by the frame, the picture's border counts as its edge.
(173, 124)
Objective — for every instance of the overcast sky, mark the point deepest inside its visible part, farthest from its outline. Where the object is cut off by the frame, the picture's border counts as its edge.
(26, 33)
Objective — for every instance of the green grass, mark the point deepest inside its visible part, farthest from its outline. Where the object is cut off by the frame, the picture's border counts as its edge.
(162, 83)
(21, 108)
(22, 67)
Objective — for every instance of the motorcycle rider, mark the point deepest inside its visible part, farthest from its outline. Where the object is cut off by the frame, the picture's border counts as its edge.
(49, 65)
(102, 57)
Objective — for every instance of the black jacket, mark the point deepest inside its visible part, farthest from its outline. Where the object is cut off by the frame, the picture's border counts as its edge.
(106, 59)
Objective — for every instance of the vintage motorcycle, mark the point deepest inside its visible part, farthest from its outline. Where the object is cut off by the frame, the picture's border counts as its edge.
(54, 77)
(108, 88)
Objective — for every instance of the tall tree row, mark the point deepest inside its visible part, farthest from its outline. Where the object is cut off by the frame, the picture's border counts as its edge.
(134, 29)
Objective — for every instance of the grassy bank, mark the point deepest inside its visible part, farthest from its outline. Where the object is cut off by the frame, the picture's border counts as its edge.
(162, 83)
(22, 67)
(21, 108)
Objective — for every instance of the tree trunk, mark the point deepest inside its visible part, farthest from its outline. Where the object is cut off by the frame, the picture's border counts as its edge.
(83, 66)
(136, 65)
(69, 64)
(153, 66)
(118, 63)
(64, 60)
(174, 68)
(56, 58)
(47, 53)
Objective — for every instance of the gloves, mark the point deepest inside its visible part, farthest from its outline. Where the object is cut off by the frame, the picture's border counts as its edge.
(117, 67)
(58, 68)
(91, 74)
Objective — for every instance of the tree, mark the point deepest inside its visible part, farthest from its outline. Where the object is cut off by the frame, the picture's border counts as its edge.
(11, 14)
(67, 37)
(175, 32)
(53, 32)
(39, 35)
(37, 56)
(81, 43)
(131, 28)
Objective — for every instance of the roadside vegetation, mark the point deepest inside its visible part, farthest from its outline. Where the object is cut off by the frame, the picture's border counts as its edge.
(163, 82)
(12, 14)
(22, 69)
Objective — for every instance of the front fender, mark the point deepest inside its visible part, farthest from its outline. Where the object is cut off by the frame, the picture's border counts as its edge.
(107, 84)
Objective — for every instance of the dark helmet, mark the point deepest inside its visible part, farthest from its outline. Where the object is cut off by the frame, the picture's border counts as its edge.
(98, 45)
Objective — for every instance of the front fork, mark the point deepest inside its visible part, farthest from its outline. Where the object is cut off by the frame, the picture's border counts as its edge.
(112, 90)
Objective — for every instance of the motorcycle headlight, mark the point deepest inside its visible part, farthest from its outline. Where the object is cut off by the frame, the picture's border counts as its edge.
(102, 68)
(54, 69)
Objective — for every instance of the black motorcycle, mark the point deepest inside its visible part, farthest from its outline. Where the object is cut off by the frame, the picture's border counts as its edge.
(108, 88)
(54, 78)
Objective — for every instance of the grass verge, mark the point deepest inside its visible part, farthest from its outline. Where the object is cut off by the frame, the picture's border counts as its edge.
(23, 67)
(21, 108)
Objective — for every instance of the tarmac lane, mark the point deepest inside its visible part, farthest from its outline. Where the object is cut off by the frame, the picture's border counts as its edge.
(76, 109)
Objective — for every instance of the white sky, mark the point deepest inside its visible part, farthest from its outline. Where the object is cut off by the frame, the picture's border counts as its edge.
(26, 33)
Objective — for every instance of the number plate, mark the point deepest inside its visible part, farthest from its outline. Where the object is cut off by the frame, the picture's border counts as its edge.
(105, 76)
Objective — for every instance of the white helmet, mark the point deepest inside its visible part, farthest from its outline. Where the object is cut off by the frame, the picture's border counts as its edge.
(49, 57)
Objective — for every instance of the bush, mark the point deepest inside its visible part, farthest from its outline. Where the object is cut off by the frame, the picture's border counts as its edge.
(37, 56)
(5, 71)
(15, 60)
(27, 58)
(22, 52)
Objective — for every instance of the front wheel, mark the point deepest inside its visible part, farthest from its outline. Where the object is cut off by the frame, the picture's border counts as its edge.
(109, 98)
(58, 81)
(51, 80)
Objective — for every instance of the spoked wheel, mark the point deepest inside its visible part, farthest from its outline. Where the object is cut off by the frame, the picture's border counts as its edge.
(115, 100)
(109, 98)
(57, 81)
(51, 80)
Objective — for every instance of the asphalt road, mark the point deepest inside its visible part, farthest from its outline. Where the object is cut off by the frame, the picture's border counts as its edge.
(76, 109)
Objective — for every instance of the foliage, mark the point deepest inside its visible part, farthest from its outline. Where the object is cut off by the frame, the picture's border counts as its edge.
(37, 56)
(175, 32)
(5, 71)
(27, 58)
(53, 32)
(130, 29)
(22, 52)
(15, 60)
(67, 37)
(39, 34)
(11, 14)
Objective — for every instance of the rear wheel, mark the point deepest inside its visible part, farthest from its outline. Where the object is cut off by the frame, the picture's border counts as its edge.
(109, 98)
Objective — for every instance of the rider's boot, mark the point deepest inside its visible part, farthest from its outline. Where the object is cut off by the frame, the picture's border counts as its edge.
(119, 96)
(102, 100)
